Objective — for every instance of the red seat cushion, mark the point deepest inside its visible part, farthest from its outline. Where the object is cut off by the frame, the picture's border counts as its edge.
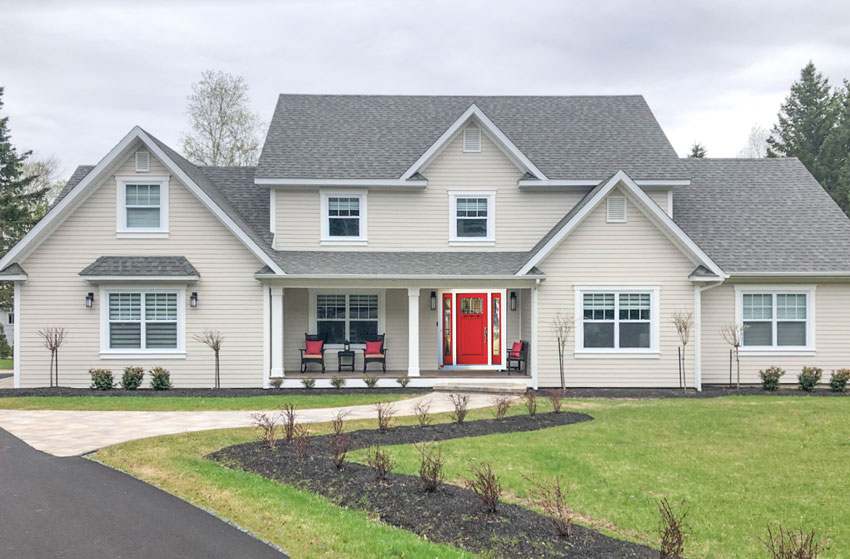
(516, 348)
(373, 348)
(314, 348)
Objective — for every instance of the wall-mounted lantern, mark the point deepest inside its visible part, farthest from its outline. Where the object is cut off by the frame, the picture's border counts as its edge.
(513, 300)
(89, 300)
(193, 300)
(433, 300)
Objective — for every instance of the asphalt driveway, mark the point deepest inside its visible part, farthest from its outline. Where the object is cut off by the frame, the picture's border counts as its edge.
(73, 508)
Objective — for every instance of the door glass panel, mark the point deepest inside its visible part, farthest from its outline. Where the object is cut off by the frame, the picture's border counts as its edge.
(471, 305)
(447, 326)
(497, 327)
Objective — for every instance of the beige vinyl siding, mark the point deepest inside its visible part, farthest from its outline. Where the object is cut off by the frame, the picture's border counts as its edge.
(418, 219)
(614, 254)
(659, 197)
(230, 299)
(832, 336)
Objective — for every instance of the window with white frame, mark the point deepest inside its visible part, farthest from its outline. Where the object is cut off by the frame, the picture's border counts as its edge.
(143, 320)
(776, 319)
(616, 320)
(343, 217)
(142, 205)
(349, 317)
(472, 217)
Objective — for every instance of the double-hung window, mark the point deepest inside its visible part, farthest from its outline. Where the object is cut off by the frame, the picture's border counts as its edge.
(471, 218)
(776, 319)
(347, 316)
(143, 321)
(343, 218)
(142, 206)
(614, 320)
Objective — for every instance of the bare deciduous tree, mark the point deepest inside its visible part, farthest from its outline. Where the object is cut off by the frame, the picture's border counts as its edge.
(213, 340)
(733, 333)
(756, 146)
(683, 321)
(223, 129)
(46, 173)
(52, 339)
(562, 325)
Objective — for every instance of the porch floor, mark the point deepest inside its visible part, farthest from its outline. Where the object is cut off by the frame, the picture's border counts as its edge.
(435, 373)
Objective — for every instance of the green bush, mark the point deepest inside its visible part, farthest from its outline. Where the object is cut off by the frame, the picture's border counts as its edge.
(839, 379)
(770, 378)
(277, 382)
(337, 382)
(308, 383)
(809, 378)
(370, 380)
(5, 349)
(101, 379)
(403, 381)
(132, 378)
(160, 379)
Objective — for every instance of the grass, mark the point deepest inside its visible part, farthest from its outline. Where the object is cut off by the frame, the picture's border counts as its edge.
(739, 462)
(183, 403)
(6, 364)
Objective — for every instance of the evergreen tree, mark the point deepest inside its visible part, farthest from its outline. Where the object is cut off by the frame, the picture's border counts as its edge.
(698, 151)
(833, 162)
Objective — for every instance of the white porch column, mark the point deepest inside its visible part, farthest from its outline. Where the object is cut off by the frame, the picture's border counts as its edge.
(535, 317)
(16, 336)
(277, 332)
(413, 331)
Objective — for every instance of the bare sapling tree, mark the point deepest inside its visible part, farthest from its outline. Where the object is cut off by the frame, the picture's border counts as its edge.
(213, 340)
(562, 326)
(684, 321)
(733, 334)
(52, 339)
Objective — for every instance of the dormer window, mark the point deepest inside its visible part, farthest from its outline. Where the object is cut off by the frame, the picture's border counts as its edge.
(616, 209)
(471, 139)
(343, 218)
(142, 206)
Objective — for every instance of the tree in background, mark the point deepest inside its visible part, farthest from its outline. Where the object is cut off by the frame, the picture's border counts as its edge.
(833, 162)
(223, 129)
(756, 146)
(45, 173)
(698, 151)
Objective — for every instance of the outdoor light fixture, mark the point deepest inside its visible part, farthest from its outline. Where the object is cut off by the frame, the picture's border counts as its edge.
(193, 300)
(513, 300)
(89, 300)
(433, 300)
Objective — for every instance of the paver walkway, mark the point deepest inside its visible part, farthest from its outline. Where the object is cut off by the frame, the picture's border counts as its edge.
(72, 433)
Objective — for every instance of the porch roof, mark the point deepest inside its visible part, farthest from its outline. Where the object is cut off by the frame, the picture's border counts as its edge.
(124, 267)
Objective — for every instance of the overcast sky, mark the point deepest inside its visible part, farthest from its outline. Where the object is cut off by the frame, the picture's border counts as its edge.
(78, 75)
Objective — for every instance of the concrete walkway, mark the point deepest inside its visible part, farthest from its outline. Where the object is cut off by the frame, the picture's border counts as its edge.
(72, 433)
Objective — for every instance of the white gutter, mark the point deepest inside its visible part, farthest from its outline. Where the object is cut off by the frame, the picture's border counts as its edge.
(595, 182)
(829, 274)
(500, 277)
(341, 182)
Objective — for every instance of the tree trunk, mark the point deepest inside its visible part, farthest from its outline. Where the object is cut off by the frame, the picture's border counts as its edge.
(684, 373)
(561, 364)
(57, 366)
(738, 368)
(217, 378)
(51, 368)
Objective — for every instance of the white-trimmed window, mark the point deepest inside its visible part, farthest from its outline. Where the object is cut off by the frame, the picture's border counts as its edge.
(617, 320)
(348, 316)
(142, 206)
(343, 218)
(776, 319)
(472, 218)
(142, 321)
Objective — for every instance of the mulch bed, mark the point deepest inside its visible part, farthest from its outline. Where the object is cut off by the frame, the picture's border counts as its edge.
(202, 392)
(453, 514)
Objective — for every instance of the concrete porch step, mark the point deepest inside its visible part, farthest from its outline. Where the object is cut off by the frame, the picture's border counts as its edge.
(488, 386)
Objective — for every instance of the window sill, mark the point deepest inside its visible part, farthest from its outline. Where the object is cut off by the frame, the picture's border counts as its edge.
(142, 355)
(344, 242)
(777, 351)
(616, 354)
(142, 234)
(471, 243)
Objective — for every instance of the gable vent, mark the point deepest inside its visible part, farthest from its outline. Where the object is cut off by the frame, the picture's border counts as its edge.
(616, 209)
(471, 139)
(143, 161)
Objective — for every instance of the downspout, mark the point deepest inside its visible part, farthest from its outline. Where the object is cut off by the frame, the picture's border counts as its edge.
(16, 336)
(535, 316)
(698, 289)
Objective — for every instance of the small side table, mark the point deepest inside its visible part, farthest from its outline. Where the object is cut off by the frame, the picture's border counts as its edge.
(345, 358)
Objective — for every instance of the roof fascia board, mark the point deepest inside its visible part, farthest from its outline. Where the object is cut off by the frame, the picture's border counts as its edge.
(490, 128)
(595, 182)
(17, 277)
(827, 274)
(429, 277)
(140, 278)
(341, 182)
(649, 207)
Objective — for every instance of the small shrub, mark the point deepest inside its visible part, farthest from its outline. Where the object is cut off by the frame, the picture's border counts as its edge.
(308, 383)
(403, 381)
(385, 415)
(339, 448)
(370, 380)
(422, 409)
(277, 382)
(338, 421)
(300, 441)
(553, 501)
(132, 378)
(380, 462)
(101, 379)
(556, 398)
(672, 530)
(288, 414)
(431, 467)
(338, 382)
(500, 406)
(838, 380)
(809, 378)
(461, 405)
(786, 544)
(267, 427)
(160, 379)
(485, 483)
(770, 378)
(530, 400)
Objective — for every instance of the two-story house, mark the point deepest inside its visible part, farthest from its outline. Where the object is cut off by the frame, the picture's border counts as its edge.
(456, 226)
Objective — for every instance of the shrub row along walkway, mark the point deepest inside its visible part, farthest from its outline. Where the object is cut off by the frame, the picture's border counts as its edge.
(451, 514)
(71, 433)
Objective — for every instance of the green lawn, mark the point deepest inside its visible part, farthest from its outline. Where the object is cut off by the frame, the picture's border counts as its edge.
(6, 364)
(170, 403)
(739, 462)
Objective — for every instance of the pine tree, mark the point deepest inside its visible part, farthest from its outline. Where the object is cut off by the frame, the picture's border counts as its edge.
(833, 161)
(698, 151)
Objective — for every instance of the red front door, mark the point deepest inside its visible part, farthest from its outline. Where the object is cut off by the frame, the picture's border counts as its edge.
(472, 346)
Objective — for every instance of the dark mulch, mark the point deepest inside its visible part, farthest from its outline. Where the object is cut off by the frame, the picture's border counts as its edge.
(714, 391)
(452, 514)
(202, 392)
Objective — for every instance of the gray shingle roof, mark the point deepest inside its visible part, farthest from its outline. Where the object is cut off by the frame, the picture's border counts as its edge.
(762, 215)
(381, 136)
(78, 175)
(13, 269)
(125, 266)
